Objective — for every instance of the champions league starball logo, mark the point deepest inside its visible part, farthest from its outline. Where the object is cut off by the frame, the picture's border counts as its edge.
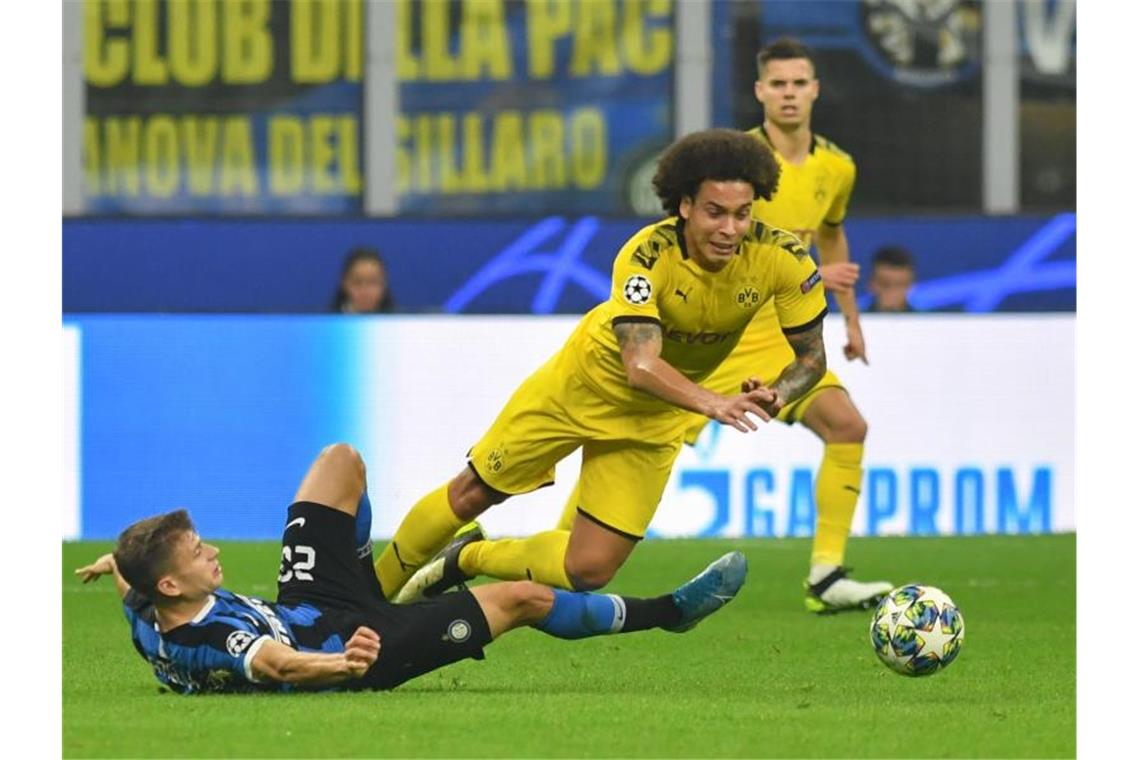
(238, 641)
(923, 43)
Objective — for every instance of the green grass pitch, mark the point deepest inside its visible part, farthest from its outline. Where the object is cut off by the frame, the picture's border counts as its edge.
(762, 678)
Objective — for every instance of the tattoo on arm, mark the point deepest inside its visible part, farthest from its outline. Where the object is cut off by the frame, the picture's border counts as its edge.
(638, 335)
(810, 363)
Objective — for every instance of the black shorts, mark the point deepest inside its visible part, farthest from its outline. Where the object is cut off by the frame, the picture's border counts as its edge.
(319, 566)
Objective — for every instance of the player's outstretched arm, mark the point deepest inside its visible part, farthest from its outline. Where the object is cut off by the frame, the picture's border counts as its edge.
(277, 662)
(105, 565)
(646, 371)
(833, 249)
(805, 371)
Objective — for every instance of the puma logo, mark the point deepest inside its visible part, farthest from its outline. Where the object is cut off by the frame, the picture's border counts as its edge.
(684, 295)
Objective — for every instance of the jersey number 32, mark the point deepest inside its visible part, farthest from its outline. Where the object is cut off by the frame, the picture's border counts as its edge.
(296, 562)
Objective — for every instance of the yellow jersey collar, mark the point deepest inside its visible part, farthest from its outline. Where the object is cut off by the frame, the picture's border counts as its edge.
(768, 140)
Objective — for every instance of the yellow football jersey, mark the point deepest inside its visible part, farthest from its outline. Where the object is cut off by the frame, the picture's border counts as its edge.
(581, 397)
(811, 193)
(702, 314)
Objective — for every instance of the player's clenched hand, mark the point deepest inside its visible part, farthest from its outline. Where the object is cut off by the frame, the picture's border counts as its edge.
(839, 277)
(734, 410)
(362, 650)
(772, 405)
(855, 348)
(105, 565)
(751, 384)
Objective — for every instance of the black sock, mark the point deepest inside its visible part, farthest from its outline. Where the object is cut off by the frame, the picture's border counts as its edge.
(643, 614)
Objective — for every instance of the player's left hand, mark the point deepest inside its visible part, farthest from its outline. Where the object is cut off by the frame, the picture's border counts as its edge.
(105, 565)
(773, 405)
(751, 384)
(855, 348)
(840, 277)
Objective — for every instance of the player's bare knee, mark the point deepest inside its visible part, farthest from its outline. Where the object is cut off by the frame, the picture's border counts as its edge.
(345, 457)
(844, 426)
(342, 453)
(588, 577)
(852, 428)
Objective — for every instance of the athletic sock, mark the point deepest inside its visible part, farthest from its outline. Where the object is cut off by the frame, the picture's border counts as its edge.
(426, 529)
(643, 614)
(363, 524)
(836, 491)
(364, 544)
(579, 614)
(570, 511)
(541, 558)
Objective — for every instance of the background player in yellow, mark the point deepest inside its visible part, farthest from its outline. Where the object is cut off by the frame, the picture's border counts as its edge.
(816, 180)
(625, 384)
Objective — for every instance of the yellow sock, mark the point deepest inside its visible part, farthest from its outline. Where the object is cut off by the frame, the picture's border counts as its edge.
(836, 490)
(570, 511)
(541, 558)
(426, 529)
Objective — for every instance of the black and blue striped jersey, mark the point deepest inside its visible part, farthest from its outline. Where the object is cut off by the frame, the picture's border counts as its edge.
(214, 651)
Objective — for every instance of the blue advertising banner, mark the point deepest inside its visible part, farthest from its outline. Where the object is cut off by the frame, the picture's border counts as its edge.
(222, 415)
(541, 266)
(247, 107)
(553, 106)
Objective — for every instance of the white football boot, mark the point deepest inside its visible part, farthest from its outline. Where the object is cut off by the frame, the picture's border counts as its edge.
(835, 592)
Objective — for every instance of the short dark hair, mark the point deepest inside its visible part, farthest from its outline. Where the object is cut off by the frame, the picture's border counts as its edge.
(355, 256)
(145, 548)
(714, 154)
(893, 256)
(783, 49)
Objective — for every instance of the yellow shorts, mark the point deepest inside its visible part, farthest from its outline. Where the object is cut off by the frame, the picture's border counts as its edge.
(627, 451)
(763, 352)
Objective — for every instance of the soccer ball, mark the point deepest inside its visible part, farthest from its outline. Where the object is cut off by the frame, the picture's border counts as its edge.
(917, 630)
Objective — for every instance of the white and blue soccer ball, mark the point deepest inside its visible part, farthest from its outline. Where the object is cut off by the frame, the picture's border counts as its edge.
(917, 630)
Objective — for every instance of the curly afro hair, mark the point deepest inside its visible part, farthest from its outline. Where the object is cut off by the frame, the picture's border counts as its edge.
(718, 155)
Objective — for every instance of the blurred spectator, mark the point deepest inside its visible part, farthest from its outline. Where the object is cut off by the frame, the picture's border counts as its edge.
(363, 285)
(892, 277)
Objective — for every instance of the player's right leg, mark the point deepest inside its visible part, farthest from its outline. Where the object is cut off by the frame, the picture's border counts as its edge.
(430, 524)
(516, 455)
(577, 614)
(425, 636)
(621, 485)
(338, 479)
(829, 413)
(328, 519)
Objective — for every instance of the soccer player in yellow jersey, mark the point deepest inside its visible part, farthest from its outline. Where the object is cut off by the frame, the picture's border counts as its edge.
(816, 180)
(626, 383)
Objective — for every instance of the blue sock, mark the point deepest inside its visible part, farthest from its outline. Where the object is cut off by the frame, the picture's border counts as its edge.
(579, 614)
(364, 525)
